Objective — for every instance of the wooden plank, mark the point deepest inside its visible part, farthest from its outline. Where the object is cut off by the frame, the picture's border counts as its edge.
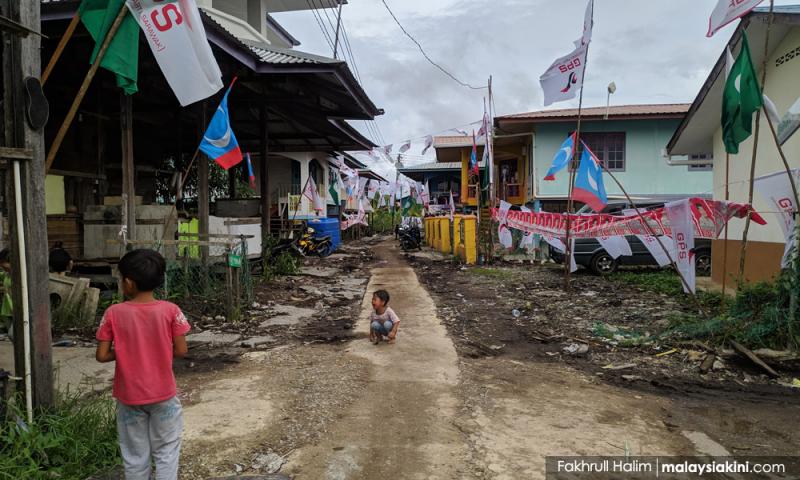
(16, 153)
(22, 58)
(754, 358)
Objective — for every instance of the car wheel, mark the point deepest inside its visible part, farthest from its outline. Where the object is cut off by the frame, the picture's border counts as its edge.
(702, 264)
(603, 264)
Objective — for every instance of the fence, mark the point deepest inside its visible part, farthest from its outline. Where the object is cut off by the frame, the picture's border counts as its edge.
(207, 275)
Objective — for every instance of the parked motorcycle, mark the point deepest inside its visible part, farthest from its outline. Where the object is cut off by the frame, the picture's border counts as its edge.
(304, 245)
(410, 237)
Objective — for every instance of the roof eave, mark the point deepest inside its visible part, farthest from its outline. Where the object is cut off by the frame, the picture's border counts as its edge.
(712, 78)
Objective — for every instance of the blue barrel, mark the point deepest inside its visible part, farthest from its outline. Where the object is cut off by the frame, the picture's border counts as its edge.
(324, 227)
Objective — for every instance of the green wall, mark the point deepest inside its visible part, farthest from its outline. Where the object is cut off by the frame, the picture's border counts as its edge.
(646, 171)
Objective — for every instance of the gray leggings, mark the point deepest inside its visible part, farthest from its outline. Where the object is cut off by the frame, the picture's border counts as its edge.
(150, 430)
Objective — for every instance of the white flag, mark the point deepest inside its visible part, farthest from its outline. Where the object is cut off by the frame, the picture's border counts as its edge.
(616, 246)
(562, 80)
(452, 206)
(777, 191)
(372, 189)
(659, 254)
(729, 61)
(504, 234)
(178, 40)
(426, 194)
(588, 24)
(680, 221)
(727, 11)
(405, 147)
(312, 194)
(428, 144)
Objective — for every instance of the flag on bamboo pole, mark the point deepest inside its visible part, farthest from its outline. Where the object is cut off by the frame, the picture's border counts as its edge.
(250, 175)
(452, 206)
(312, 194)
(122, 55)
(334, 185)
(589, 187)
(219, 141)
(562, 158)
(428, 144)
(473, 158)
(728, 11)
(740, 100)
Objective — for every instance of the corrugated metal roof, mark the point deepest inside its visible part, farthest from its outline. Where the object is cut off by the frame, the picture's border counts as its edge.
(277, 55)
(448, 141)
(667, 109)
(427, 167)
(779, 9)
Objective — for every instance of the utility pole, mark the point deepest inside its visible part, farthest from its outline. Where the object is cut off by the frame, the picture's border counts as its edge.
(338, 28)
(27, 218)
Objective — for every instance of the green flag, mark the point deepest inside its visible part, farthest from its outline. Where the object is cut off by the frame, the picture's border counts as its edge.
(408, 203)
(122, 55)
(333, 187)
(741, 98)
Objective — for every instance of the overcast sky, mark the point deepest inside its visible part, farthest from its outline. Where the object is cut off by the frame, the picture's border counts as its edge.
(654, 50)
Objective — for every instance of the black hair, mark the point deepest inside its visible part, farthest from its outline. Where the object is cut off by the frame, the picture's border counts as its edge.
(383, 295)
(59, 258)
(5, 255)
(144, 267)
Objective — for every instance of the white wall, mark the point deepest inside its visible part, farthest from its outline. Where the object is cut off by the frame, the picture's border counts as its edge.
(783, 88)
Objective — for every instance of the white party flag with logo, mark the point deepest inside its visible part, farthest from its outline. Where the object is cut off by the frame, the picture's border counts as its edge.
(777, 191)
(659, 254)
(562, 80)
(728, 11)
(680, 221)
(616, 246)
(174, 30)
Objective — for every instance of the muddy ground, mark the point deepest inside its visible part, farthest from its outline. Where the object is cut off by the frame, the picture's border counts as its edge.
(470, 390)
(521, 313)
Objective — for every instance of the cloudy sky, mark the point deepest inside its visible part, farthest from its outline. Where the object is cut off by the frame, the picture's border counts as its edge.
(654, 50)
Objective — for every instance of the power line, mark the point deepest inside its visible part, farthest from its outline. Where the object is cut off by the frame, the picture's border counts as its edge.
(320, 24)
(424, 54)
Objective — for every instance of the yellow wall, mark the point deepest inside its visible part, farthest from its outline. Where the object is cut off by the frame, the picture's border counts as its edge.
(54, 195)
(522, 169)
(783, 88)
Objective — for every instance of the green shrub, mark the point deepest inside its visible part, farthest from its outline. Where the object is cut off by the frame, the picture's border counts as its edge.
(74, 440)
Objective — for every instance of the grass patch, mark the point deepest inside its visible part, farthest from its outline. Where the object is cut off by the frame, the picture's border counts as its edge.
(491, 272)
(758, 317)
(74, 440)
(667, 282)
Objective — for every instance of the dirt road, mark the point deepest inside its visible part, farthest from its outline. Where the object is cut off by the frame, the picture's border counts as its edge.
(419, 409)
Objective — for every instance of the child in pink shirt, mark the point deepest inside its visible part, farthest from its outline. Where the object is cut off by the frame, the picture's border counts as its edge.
(146, 334)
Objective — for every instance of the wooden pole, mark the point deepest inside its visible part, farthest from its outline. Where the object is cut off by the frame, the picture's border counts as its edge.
(21, 59)
(743, 255)
(263, 181)
(338, 28)
(62, 131)
(62, 44)
(576, 149)
(725, 245)
(202, 187)
(128, 167)
(796, 258)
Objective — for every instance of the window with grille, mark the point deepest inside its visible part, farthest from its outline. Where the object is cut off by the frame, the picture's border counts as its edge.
(608, 147)
(703, 167)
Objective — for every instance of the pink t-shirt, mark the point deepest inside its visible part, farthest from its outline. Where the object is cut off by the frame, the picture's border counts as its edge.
(143, 341)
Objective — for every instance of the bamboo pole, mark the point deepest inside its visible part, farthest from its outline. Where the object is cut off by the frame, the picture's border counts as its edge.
(725, 245)
(576, 152)
(62, 131)
(660, 243)
(62, 44)
(795, 266)
(743, 255)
